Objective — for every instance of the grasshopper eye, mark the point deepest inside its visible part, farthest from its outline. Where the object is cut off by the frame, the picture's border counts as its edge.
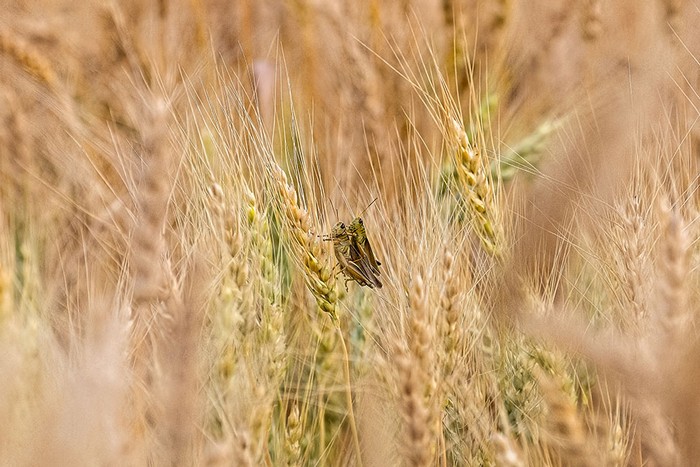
(360, 221)
(342, 226)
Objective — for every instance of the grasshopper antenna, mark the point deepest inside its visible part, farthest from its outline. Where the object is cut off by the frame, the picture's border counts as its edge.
(368, 206)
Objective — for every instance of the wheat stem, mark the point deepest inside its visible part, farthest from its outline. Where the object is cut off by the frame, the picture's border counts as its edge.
(348, 396)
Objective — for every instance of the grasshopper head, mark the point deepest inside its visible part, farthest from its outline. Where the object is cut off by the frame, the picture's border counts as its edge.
(338, 230)
(357, 228)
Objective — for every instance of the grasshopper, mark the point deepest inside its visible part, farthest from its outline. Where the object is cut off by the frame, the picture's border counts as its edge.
(352, 262)
(358, 235)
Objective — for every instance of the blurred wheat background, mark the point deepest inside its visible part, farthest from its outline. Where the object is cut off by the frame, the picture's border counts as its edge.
(168, 170)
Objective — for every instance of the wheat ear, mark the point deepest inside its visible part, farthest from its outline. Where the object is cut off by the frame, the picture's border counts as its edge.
(479, 190)
(316, 263)
(28, 58)
(318, 277)
(566, 430)
(415, 414)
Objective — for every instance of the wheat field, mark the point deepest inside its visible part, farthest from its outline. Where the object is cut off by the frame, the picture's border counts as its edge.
(527, 172)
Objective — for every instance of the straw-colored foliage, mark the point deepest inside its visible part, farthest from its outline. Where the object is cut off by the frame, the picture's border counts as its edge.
(170, 173)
